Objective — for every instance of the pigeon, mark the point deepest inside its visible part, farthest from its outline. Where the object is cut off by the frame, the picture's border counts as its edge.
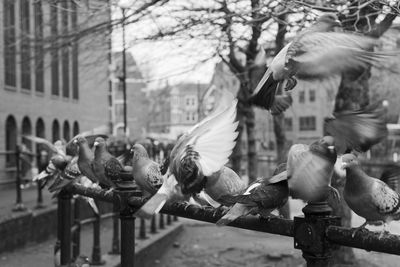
(316, 53)
(357, 130)
(310, 169)
(221, 185)
(369, 197)
(105, 166)
(85, 158)
(145, 171)
(262, 197)
(198, 154)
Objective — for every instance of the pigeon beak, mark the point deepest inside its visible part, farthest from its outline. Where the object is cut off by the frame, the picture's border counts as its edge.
(95, 143)
(338, 23)
(75, 141)
(344, 166)
(331, 148)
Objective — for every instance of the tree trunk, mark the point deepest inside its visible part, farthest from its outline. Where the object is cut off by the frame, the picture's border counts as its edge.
(251, 144)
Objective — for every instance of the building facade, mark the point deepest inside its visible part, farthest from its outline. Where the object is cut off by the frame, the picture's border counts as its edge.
(53, 78)
(175, 109)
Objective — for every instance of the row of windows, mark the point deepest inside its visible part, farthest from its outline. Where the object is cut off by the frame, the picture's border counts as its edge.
(40, 130)
(311, 96)
(33, 49)
(307, 123)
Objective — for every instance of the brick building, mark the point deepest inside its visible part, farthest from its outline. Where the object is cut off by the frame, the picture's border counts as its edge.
(50, 86)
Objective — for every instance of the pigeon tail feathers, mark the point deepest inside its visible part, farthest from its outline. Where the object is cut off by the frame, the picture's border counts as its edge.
(235, 212)
(152, 206)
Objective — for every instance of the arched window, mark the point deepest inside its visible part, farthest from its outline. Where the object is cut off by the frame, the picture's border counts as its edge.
(76, 128)
(11, 139)
(55, 131)
(40, 131)
(27, 130)
(66, 131)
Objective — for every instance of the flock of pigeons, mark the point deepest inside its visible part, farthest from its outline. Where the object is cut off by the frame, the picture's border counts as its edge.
(195, 170)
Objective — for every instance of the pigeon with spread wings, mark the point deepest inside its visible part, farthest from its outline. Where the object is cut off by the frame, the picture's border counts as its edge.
(317, 53)
(198, 154)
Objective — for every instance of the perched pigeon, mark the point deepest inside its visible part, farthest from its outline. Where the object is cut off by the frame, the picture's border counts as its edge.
(261, 197)
(85, 158)
(221, 185)
(369, 197)
(310, 168)
(357, 130)
(105, 166)
(145, 171)
(316, 53)
(198, 154)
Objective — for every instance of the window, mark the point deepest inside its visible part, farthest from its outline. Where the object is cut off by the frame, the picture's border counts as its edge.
(302, 96)
(55, 131)
(40, 132)
(66, 131)
(54, 49)
(288, 124)
(307, 123)
(10, 57)
(39, 52)
(75, 129)
(187, 101)
(312, 95)
(65, 51)
(11, 140)
(26, 130)
(25, 45)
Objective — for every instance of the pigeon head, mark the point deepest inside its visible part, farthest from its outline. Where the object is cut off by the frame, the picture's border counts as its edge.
(80, 140)
(59, 162)
(325, 147)
(349, 160)
(327, 22)
(99, 142)
(138, 151)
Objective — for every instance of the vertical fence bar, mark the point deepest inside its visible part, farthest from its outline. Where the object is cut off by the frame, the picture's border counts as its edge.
(161, 221)
(39, 201)
(96, 252)
(153, 225)
(175, 218)
(142, 229)
(76, 234)
(19, 206)
(168, 219)
(64, 226)
(41, 163)
(310, 233)
(115, 239)
(124, 190)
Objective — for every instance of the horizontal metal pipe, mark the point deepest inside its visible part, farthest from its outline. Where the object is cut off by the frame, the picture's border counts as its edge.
(364, 239)
(273, 225)
(98, 194)
(92, 219)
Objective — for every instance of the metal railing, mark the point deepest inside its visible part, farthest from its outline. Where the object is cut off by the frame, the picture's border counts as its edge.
(18, 155)
(317, 233)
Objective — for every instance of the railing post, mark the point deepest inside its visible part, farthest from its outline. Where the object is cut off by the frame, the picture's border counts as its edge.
(169, 219)
(76, 234)
(115, 239)
(124, 190)
(153, 225)
(41, 163)
(19, 206)
(310, 233)
(142, 229)
(161, 221)
(96, 252)
(64, 226)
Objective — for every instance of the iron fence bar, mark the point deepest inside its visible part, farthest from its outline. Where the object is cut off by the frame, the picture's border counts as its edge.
(115, 249)
(161, 221)
(93, 219)
(153, 225)
(364, 239)
(169, 219)
(76, 230)
(98, 194)
(19, 206)
(96, 251)
(271, 225)
(142, 229)
(7, 152)
(39, 201)
(64, 210)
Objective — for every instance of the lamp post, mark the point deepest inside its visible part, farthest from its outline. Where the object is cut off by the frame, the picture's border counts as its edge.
(124, 5)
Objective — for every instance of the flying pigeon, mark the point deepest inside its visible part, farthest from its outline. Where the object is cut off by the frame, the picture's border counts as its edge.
(357, 130)
(317, 53)
(369, 197)
(310, 168)
(146, 172)
(261, 197)
(198, 154)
